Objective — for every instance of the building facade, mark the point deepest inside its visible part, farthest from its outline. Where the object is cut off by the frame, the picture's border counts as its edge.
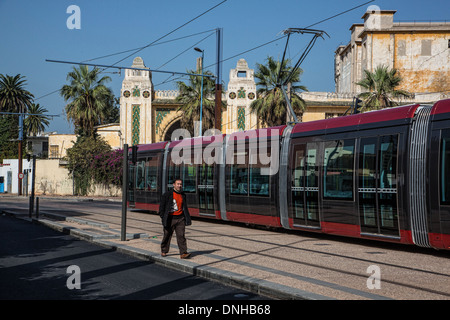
(241, 92)
(153, 117)
(136, 105)
(148, 116)
(420, 51)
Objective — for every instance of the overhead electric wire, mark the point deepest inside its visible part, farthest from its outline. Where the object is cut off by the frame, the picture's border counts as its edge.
(229, 58)
(302, 57)
(195, 44)
(274, 40)
(160, 38)
(167, 34)
(155, 44)
(336, 15)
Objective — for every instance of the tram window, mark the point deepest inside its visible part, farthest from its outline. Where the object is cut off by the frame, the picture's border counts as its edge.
(445, 167)
(189, 178)
(210, 175)
(239, 174)
(174, 173)
(368, 163)
(151, 168)
(368, 183)
(297, 182)
(338, 169)
(185, 172)
(297, 171)
(388, 182)
(259, 183)
(140, 175)
(311, 170)
(258, 175)
(388, 161)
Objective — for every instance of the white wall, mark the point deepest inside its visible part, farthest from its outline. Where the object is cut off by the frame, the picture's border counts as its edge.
(13, 166)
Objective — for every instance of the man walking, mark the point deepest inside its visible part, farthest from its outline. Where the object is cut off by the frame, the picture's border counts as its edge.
(175, 216)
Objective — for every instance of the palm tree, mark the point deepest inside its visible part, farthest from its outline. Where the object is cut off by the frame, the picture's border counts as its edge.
(89, 98)
(190, 96)
(270, 105)
(36, 121)
(13, 96)
(380, 86)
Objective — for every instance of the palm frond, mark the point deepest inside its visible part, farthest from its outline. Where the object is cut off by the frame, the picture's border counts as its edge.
(270, 105)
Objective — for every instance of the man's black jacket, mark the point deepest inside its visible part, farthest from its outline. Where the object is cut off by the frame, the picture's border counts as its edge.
(167, 203)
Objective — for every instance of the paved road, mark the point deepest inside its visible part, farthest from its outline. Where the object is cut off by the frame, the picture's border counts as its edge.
(34, 261)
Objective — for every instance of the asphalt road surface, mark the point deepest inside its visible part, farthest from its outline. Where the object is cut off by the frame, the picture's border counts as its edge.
(39, 263)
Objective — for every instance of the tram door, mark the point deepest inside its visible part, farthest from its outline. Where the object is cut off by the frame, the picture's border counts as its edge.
(377, 190)
(205, 188)
(304, 206)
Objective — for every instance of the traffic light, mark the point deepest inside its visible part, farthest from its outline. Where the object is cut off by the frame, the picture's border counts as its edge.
(357, 105)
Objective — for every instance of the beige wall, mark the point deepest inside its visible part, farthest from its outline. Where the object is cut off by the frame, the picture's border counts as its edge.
(318, 112)
(419, 51)
(53, 179)
(59, 143)
(110, 133)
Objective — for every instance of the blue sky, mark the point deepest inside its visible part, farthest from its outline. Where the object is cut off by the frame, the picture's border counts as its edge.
(32, 31)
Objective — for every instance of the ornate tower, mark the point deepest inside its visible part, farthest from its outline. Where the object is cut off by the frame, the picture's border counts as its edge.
(136, 105)
(241, 93)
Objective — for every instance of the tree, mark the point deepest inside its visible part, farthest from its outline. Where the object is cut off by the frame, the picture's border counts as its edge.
(8, 138)
(113, 112)
(36, 121)
(270, 105)
(81, 158)
(190, 97)
(13, 96)
(380, 86)
(90, 100)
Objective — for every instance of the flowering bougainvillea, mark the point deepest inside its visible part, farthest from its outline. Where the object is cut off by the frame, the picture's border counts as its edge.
(92, 161)
(107, 167)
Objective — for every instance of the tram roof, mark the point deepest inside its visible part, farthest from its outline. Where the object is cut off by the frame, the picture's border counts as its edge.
(395, 115)
(153, 146)
(239, 135)
(442, 106)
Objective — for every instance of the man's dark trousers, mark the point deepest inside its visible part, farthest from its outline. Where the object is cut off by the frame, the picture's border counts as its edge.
(177, 224)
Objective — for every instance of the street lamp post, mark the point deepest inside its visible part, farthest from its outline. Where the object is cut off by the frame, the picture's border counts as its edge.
(201, 90)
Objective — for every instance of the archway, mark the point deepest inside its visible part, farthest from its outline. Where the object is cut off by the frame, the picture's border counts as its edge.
(171, 128)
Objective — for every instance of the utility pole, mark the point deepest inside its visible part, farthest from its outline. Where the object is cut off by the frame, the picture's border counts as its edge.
(33, 179)
(201, 89)
(289, 117)
(218, 106)
(19, 192)
(20, 168)
(123, 231)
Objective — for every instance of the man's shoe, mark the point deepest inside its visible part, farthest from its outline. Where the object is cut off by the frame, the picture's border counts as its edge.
(185, 255)
(163, 254)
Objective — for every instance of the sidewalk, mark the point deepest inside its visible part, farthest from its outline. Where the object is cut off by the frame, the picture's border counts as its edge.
(281, 265)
